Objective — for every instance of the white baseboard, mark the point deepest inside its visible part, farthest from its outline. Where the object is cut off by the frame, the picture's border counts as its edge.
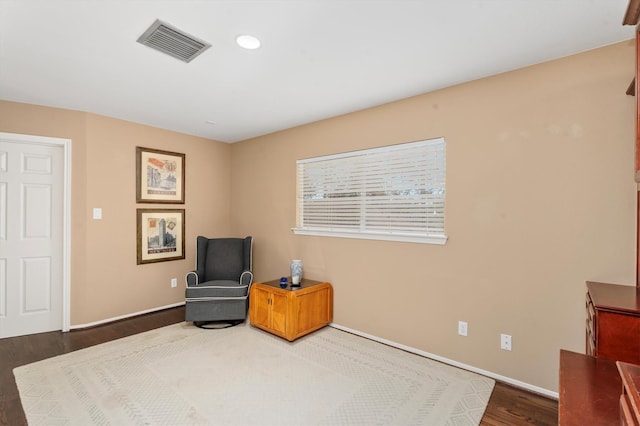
(495, 376)
(107, 320)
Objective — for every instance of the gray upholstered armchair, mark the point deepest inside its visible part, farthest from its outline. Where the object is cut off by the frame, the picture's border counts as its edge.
(218, 290)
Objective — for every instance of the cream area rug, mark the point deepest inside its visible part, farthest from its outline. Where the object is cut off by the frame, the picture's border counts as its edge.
(183, 375)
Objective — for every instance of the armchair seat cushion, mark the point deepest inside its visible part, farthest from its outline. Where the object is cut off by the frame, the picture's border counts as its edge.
(217, 289)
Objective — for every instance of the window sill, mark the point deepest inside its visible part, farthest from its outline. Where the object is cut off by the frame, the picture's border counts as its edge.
(383, 236)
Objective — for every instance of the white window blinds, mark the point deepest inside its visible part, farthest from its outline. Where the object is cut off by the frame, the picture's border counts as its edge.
(395, 192)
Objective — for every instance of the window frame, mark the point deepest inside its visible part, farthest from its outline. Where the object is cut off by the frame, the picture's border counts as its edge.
(426, 236)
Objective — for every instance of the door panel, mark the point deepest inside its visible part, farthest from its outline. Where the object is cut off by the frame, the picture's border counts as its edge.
(3, 289)
(36, 212)
(35, 288)
(31, 240)
(279, 313)
(259, 307)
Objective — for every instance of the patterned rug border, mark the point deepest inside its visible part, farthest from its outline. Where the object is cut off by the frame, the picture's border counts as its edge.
(180, 374)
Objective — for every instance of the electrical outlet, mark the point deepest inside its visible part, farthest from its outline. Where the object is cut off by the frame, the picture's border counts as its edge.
(174, 282)
(505, 342)
(462, 328)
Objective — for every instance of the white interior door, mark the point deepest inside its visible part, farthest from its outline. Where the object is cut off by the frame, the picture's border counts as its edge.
(31, 237)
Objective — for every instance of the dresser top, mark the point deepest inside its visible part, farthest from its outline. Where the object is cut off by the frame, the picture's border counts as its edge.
(589, 390)
(615, 297)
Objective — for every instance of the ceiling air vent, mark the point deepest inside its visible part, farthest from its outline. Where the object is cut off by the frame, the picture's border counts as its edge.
(170, 40)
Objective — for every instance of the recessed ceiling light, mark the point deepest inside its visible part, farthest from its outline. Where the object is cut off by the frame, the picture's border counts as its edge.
(248, 41)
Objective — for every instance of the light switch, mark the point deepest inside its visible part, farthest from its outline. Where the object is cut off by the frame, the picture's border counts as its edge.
(97, 213)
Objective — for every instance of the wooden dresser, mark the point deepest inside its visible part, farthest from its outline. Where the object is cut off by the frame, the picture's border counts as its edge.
(613, 322)
(591, 385)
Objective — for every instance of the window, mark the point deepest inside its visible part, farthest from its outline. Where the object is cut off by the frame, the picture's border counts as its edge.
(391, 193)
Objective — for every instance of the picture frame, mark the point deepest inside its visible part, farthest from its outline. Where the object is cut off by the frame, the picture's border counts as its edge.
(159, 176)
(160, 235)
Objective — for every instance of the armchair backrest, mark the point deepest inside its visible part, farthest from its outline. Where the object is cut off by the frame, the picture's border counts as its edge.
(223, 258)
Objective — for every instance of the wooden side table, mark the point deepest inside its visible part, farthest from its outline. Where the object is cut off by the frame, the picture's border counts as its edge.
(291, 312)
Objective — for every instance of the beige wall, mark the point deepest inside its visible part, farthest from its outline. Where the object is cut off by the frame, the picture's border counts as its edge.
(540, 198)
(106, 282)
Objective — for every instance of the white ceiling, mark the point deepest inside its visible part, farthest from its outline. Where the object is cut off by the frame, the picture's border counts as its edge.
(319, 58)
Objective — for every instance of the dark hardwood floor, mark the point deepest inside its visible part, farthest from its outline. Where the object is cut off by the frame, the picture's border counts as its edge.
(508, 405)
(514, 406)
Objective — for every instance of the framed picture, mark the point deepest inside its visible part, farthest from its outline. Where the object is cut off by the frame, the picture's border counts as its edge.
(160, 235)
(159, 176)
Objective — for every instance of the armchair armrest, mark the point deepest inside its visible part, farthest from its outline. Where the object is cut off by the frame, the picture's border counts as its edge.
(246, 278)
(192, 279)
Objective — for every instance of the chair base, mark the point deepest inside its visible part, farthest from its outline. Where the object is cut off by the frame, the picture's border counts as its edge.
(216, 325)
(216, 310)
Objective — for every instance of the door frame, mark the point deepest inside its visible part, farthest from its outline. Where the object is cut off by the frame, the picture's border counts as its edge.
(66, 212)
